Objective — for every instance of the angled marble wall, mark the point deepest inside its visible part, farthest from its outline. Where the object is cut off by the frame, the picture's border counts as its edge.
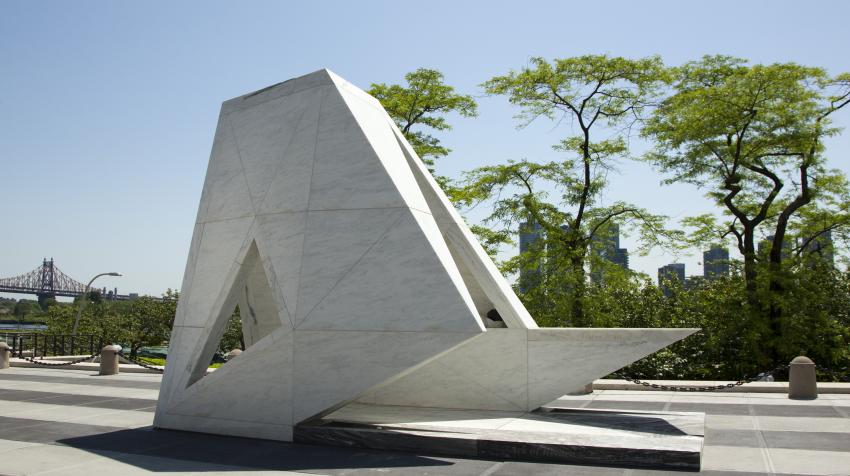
(355, 279)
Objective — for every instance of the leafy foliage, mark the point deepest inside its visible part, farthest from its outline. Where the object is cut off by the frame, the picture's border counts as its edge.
(232, 337)
(589, 91)
(143, 322)
(752, 136)
(735, 340)
(423, 102)
(133, 324)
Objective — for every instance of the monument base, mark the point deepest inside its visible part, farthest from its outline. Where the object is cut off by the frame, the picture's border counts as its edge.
(578, 436)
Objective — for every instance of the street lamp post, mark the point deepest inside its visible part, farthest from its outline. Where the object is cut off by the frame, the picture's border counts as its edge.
(85, 300)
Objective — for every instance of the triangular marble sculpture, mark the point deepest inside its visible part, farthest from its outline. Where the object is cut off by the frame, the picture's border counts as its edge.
(355, 279)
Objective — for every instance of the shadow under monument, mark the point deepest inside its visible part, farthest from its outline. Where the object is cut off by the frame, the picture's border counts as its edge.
(198, 452)
(614, 438)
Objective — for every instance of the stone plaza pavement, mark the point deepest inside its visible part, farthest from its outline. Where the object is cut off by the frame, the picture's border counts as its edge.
(71, 422)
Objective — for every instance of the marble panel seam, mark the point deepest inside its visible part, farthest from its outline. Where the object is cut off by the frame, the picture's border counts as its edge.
(476, 383)
(285, 212)
(229, 283)
(239, 420)
(274, 283)
(232, 105)
(219, 220)
(237, 109)
(280, 162)
(377, 149)
(315, 147)
(367, 331)
(241, 164)
(348, 271)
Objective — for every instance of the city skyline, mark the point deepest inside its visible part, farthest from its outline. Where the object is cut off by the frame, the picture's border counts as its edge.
(606, 247)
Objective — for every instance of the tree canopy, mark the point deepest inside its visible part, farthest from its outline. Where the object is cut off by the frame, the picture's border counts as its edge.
(752, 136)
(423, 103)
(603, 97)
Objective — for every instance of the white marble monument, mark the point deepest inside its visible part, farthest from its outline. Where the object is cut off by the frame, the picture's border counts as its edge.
(356, 279)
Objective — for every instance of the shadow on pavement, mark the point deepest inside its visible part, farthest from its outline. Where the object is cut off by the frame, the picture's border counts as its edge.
(207, 450)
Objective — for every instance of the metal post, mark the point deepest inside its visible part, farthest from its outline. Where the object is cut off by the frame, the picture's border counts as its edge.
(84, 300)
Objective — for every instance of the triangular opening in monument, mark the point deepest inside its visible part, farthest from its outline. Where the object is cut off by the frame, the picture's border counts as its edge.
(249, 314)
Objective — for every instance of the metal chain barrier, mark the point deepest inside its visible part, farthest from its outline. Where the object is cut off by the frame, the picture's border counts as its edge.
(142, 364)
(60, 364)
(709, 388)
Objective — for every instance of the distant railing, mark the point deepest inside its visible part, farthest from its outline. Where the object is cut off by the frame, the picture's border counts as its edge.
(46, 345)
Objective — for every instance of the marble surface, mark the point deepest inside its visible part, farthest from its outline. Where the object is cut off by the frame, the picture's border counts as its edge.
(521, 369)
(490, 290)
(612, 438)
(355, 277)
(312, 221)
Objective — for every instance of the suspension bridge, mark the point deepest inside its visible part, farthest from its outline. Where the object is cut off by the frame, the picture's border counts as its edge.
(48, 281)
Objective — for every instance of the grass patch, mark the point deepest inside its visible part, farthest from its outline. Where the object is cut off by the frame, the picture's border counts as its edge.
(161, 362)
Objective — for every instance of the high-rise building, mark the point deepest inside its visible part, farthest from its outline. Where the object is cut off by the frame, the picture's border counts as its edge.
(821, 247)
(529, 233)
(766, 244)
(607, 247)
(668, 273)
(715, 262)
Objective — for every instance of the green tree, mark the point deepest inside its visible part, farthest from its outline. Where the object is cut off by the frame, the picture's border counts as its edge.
(604, 97)
(232, 337)
(423, 103)
(22, 308)
(146, 322)
(753, 136)
(133, 324)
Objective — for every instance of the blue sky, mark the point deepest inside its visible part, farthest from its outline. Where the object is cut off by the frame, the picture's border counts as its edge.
(108, 109)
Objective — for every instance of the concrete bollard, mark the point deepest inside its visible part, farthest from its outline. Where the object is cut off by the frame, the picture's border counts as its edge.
(587, 389)
(5, 355)
(109, 359)
(802, 379)
(233, 354)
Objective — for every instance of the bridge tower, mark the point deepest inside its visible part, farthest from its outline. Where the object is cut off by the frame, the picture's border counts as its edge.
(47, 289)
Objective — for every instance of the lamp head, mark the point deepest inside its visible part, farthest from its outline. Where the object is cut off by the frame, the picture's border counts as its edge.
(113, 274)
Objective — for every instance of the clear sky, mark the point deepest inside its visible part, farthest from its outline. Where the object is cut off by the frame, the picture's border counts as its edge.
(108, 109)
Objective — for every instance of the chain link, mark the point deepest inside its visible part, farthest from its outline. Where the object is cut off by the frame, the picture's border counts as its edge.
(708, 388)
(91, 357)
(142, 364)
(63, 364)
